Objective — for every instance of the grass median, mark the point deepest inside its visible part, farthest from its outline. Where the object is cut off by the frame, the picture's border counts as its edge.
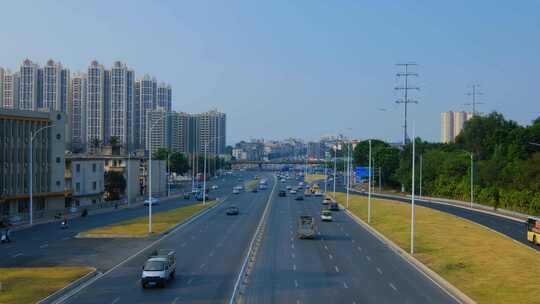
(29, 285)
(310, 178)
(138, 227)
(487, 266)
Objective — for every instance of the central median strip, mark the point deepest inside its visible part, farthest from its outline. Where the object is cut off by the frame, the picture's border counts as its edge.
(485, 265)
(138, 227)
(30, 284)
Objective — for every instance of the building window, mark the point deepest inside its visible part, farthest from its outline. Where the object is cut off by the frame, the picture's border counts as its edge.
(58, 160)
(94, 185)
(77, 187)
(78, 167)
(40, 205)
(58, 136)
(93, 167)
(59, 117)
(58, 183)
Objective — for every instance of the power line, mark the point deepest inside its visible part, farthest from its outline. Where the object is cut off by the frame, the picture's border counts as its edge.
(405, 101)
(473, 93)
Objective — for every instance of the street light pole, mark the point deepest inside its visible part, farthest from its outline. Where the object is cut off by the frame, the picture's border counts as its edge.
(204, 175)
(472, 179)
(348, 174)
(335, 167)
(412, 194)
(31, 172)
(369, 184)
(421, 169)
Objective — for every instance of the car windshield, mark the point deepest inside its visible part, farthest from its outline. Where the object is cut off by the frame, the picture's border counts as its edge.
(154, 266)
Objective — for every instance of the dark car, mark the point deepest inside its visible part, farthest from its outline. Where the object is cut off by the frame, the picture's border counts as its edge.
(187, 195)
(200, 197)
(333, 207)
(299, 198)
(232, 210)
(282, 193)
(254, 190)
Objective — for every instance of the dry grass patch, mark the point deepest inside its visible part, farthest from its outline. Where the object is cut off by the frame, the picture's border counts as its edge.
(138, 227)
(29, 285)
(487, 266)
(310, 178)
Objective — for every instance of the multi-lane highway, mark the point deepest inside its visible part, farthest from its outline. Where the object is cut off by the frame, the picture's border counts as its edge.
(209, 253)
(343, 264)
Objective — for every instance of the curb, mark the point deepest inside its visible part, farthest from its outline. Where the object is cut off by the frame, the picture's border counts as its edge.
(55, 296)
(450, 289)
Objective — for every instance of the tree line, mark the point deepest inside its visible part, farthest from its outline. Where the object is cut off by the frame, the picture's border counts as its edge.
(506, 169)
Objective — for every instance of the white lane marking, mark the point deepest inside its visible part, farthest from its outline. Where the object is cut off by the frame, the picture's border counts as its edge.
(298, 301)
(175, 300)
(345, 285)
(211, 253)
(379, 270)
(318, 232)
(17, 255)
(330, 256)
(292, 246)
(219, 244)
(115, 300)
(336, 268)
(368, 258)
(325, 247)
(346, 234)
(183, 245)
(44, 246)
(293, 255)
(296, 283)
(294, 267)
(66, 238)
(189, 281)
(359, 248)
(392, 286)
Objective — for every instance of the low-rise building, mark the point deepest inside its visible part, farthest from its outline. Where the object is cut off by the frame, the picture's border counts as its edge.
(48, 166)
(84, 180)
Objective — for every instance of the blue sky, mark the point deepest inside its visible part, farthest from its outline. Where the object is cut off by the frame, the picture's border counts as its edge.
(299, 68)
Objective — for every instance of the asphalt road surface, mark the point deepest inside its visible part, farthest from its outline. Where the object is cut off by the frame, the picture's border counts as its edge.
(209, 253)
(48, 245)
(343, 264)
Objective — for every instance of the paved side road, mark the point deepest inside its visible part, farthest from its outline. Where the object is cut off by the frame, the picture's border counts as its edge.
(48, 245)
(344, 264)
(209, 250)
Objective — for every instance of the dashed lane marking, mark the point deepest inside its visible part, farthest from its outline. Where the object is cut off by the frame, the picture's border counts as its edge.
(44, 246)
(295, 283)
(345, 285)
(17, 255)
(336, 268)
(115, 300)
(368, 258)
(392, 286)
(330, 256)
(379, 270)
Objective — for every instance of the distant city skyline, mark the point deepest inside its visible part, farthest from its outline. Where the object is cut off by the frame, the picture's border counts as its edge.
(279, 72)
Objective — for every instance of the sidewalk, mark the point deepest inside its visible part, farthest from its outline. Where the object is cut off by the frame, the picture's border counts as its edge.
(121, 206)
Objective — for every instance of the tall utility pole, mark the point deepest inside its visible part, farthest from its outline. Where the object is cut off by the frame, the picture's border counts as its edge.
(473, 93)
(406, 88)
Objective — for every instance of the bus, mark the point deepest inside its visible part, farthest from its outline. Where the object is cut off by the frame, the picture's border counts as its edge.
(533, 230)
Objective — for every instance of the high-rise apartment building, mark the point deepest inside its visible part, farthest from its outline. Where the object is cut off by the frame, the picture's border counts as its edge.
(2, 72)
(10, 90)
(77, 110)
(164, 97)
(145, 94)
(121, 103)
(159, 129)
(179, 132)
(452, 123)
(211, 132)
(95, 104)
(54, 84)
(28, 86)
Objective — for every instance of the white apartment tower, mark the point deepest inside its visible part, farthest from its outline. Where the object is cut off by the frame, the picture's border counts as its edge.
(145, 95)
(55, 84)
(121, 103)
(95, 103)
(78, 110)
(212, 130)
(28, 86)
(452, 123)
(10, 90)
(2, 72)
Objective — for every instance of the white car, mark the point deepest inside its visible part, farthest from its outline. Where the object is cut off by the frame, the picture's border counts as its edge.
(236, 191)
(326, 216)
(154, 202)
(292, 191)
(215, 187)
(318, 193)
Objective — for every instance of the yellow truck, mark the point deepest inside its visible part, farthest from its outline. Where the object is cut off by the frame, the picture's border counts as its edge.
(315, 188)
(533, 230)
